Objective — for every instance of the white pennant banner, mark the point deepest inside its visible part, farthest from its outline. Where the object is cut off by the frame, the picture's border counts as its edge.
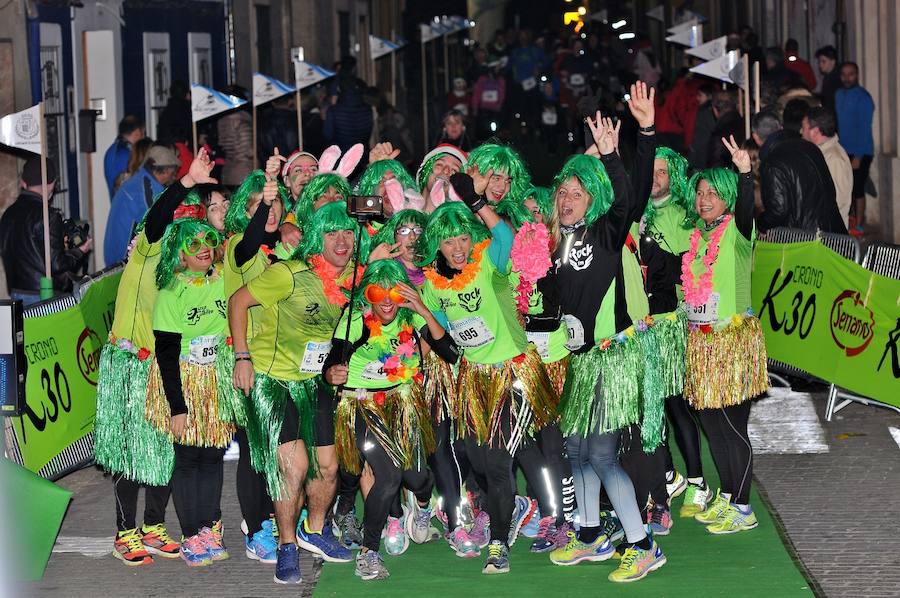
(720, 68)
(306, 74)
(692, 37)
(206, 102)
(381, 47)
(22, 129)
(266, 89)
(710, 50)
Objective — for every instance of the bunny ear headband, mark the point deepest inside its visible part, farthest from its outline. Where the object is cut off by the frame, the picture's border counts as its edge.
(328, 162)
(403, 200)
(442, 192)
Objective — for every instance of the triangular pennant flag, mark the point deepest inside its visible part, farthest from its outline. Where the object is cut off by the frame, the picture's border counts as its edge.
(683, 26)
(427, 32)
(306, 74)
(736, 75)
(658, 13)
(720, 68)
(22, 129)
(206, 102)
(692, 37)
(381, 47)
(266, 89)
(600, 16)
(710, 50)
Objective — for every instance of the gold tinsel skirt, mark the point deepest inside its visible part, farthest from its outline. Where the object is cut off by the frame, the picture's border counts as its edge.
(440, 387)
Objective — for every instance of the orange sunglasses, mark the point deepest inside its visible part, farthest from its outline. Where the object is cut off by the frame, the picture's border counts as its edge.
(376, 294)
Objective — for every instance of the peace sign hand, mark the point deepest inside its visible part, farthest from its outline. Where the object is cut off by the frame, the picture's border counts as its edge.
(740, 157)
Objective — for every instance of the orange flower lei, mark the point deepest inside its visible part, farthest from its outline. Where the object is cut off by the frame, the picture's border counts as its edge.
(466, 275)
(328, 275)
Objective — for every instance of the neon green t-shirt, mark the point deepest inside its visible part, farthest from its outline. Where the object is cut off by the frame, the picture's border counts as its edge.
(195, 308)
(237, 276)
(366, 364)
(294, 331)
(137, 294)
(731, 276)
(666, 229)
(635, 294)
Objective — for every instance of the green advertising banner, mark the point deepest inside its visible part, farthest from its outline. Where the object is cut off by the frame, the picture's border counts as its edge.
(830, 317)
(63, 354)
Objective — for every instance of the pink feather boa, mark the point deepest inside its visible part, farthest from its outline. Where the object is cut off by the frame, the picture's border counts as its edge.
(530, 256)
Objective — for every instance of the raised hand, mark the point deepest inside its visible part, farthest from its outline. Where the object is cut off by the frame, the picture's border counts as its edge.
(479, 181)
(270, 190)
(198, 173)
(273, 165)
(385, 252)
(413, 300)
(642, 104)
(740, 157)
(383, 151)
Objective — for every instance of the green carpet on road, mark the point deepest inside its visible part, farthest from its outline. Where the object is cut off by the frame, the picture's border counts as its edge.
(748, 564)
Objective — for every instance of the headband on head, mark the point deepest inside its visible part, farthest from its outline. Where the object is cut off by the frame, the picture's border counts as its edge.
(328, 161)
(195, 211)
(286, 169)
(427, 165)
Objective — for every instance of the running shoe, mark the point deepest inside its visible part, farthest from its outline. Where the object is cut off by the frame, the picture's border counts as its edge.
(523, 509)
(287, 567)
(659, 520)
(395, 539)
(715, 510)
(676, 487)
(157, 541)
(418, 521)
(129, 548)
(611, 526)
(194, 552)
(531, 529)
(545, 540)
(441, 516)
(695, 500)
(637, 563)
(562, 534)
(463, 544)
(262, 546)
(233, 453)
(575, 551)
(481, 529)
(733, 521)
(370, 565)
(214, 546)
(498, 558)
(349, 529)
(322, 543)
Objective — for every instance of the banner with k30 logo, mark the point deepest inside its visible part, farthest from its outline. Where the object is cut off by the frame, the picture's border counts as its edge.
(830, 317)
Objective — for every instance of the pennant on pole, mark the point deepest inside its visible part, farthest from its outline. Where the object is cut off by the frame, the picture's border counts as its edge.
(306, 74)
(22, 129)
(720, 68)
(711, 49)
(206, 102)
(658, 13)
(266, 89)
(692, 37)
(736, 75)
(683, 26)
(381, 47)
(686, 16)
(427, 32)
(601, 16)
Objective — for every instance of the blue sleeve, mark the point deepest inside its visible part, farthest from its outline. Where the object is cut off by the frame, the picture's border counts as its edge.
(441, 318)
(501, 245)
(109, 165)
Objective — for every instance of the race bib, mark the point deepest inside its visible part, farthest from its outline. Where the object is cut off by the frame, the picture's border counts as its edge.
(549, 117)
(462, 108)
(490, 96)
(204, 349)
(575, 329)
(706, 313)
(374, 370)
(314, 357)
(471, 333)
(541, 341)
(576, 79)
(529, 84)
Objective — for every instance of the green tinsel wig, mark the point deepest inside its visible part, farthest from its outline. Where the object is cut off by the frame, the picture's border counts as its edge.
(368, 182)
(450, 219)
(387, 232)
(677, 167)
(314, 189)
(236, 218)
(723, 180)
(513, 209)
(385, 274)
(177, 234)
(426, 169)
(502, 159)
(541, 196)
(327, 219)
(591, 173)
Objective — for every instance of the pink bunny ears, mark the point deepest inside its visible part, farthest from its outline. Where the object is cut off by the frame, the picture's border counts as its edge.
(400, 199)
(442, 191)
(328, 162)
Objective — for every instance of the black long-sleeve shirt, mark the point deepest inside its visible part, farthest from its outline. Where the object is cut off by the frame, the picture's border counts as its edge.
(161, 213)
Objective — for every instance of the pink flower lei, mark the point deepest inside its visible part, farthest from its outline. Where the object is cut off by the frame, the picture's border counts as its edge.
(530, 256)
(698, 294)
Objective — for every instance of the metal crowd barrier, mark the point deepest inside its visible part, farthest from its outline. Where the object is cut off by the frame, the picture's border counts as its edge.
(883, 259)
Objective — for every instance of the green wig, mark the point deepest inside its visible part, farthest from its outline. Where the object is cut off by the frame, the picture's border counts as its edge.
(514, 209)
(677, 167)
(236, 218)
(387, 232)
(329, 218)
(502, 159)
(450, 219)
(177, 234)
(541, 196)
(315, 188)
(385, 274)
(426, 169)
(371, 177)
(591, 173)
(723, 180)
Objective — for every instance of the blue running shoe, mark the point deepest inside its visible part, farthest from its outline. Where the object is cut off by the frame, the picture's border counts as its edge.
(322, 544)
(523, 509)
(287, 569)
(533, 527)
(262, 546)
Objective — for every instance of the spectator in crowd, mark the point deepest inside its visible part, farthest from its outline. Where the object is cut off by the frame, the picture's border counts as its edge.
(478, 67)
(646, 66)
(792, 116)
(794, 63)
(499, 48)
(235, 131)
(831, 75)
(459, 98)
(855, 110)
(777, 74)
(819, 127)
(526, 61)
(132, 200)
(349, 120)
(728, 123)
(488, 100)
(704, 124)
(135, 161)
(797, 190)
(453, 131)
(22, 238)
(277, 127)
(175, 119)
(115, 161)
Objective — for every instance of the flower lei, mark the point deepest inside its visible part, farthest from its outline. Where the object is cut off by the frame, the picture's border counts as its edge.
(530, 255)
(200, 280)
(327, 273)
(123, 344)
(698, 293)
(401, 365)
(465, 276)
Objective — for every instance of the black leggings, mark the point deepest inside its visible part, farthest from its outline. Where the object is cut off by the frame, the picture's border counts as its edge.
(388, 478)
(547, 453)
(126, 492)
(449, 469)
(729, 443)
(197, 486)
(256, 506)
(646, 470)
(687, 436)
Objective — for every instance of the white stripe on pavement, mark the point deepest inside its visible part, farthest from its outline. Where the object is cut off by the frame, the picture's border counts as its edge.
(93, 547)
(785, 423)
(895, 432)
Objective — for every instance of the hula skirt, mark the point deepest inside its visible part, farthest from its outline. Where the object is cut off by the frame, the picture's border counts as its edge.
(440, 387)
(556, 372)
(398, 418)
(234, 407)
(124, 441)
